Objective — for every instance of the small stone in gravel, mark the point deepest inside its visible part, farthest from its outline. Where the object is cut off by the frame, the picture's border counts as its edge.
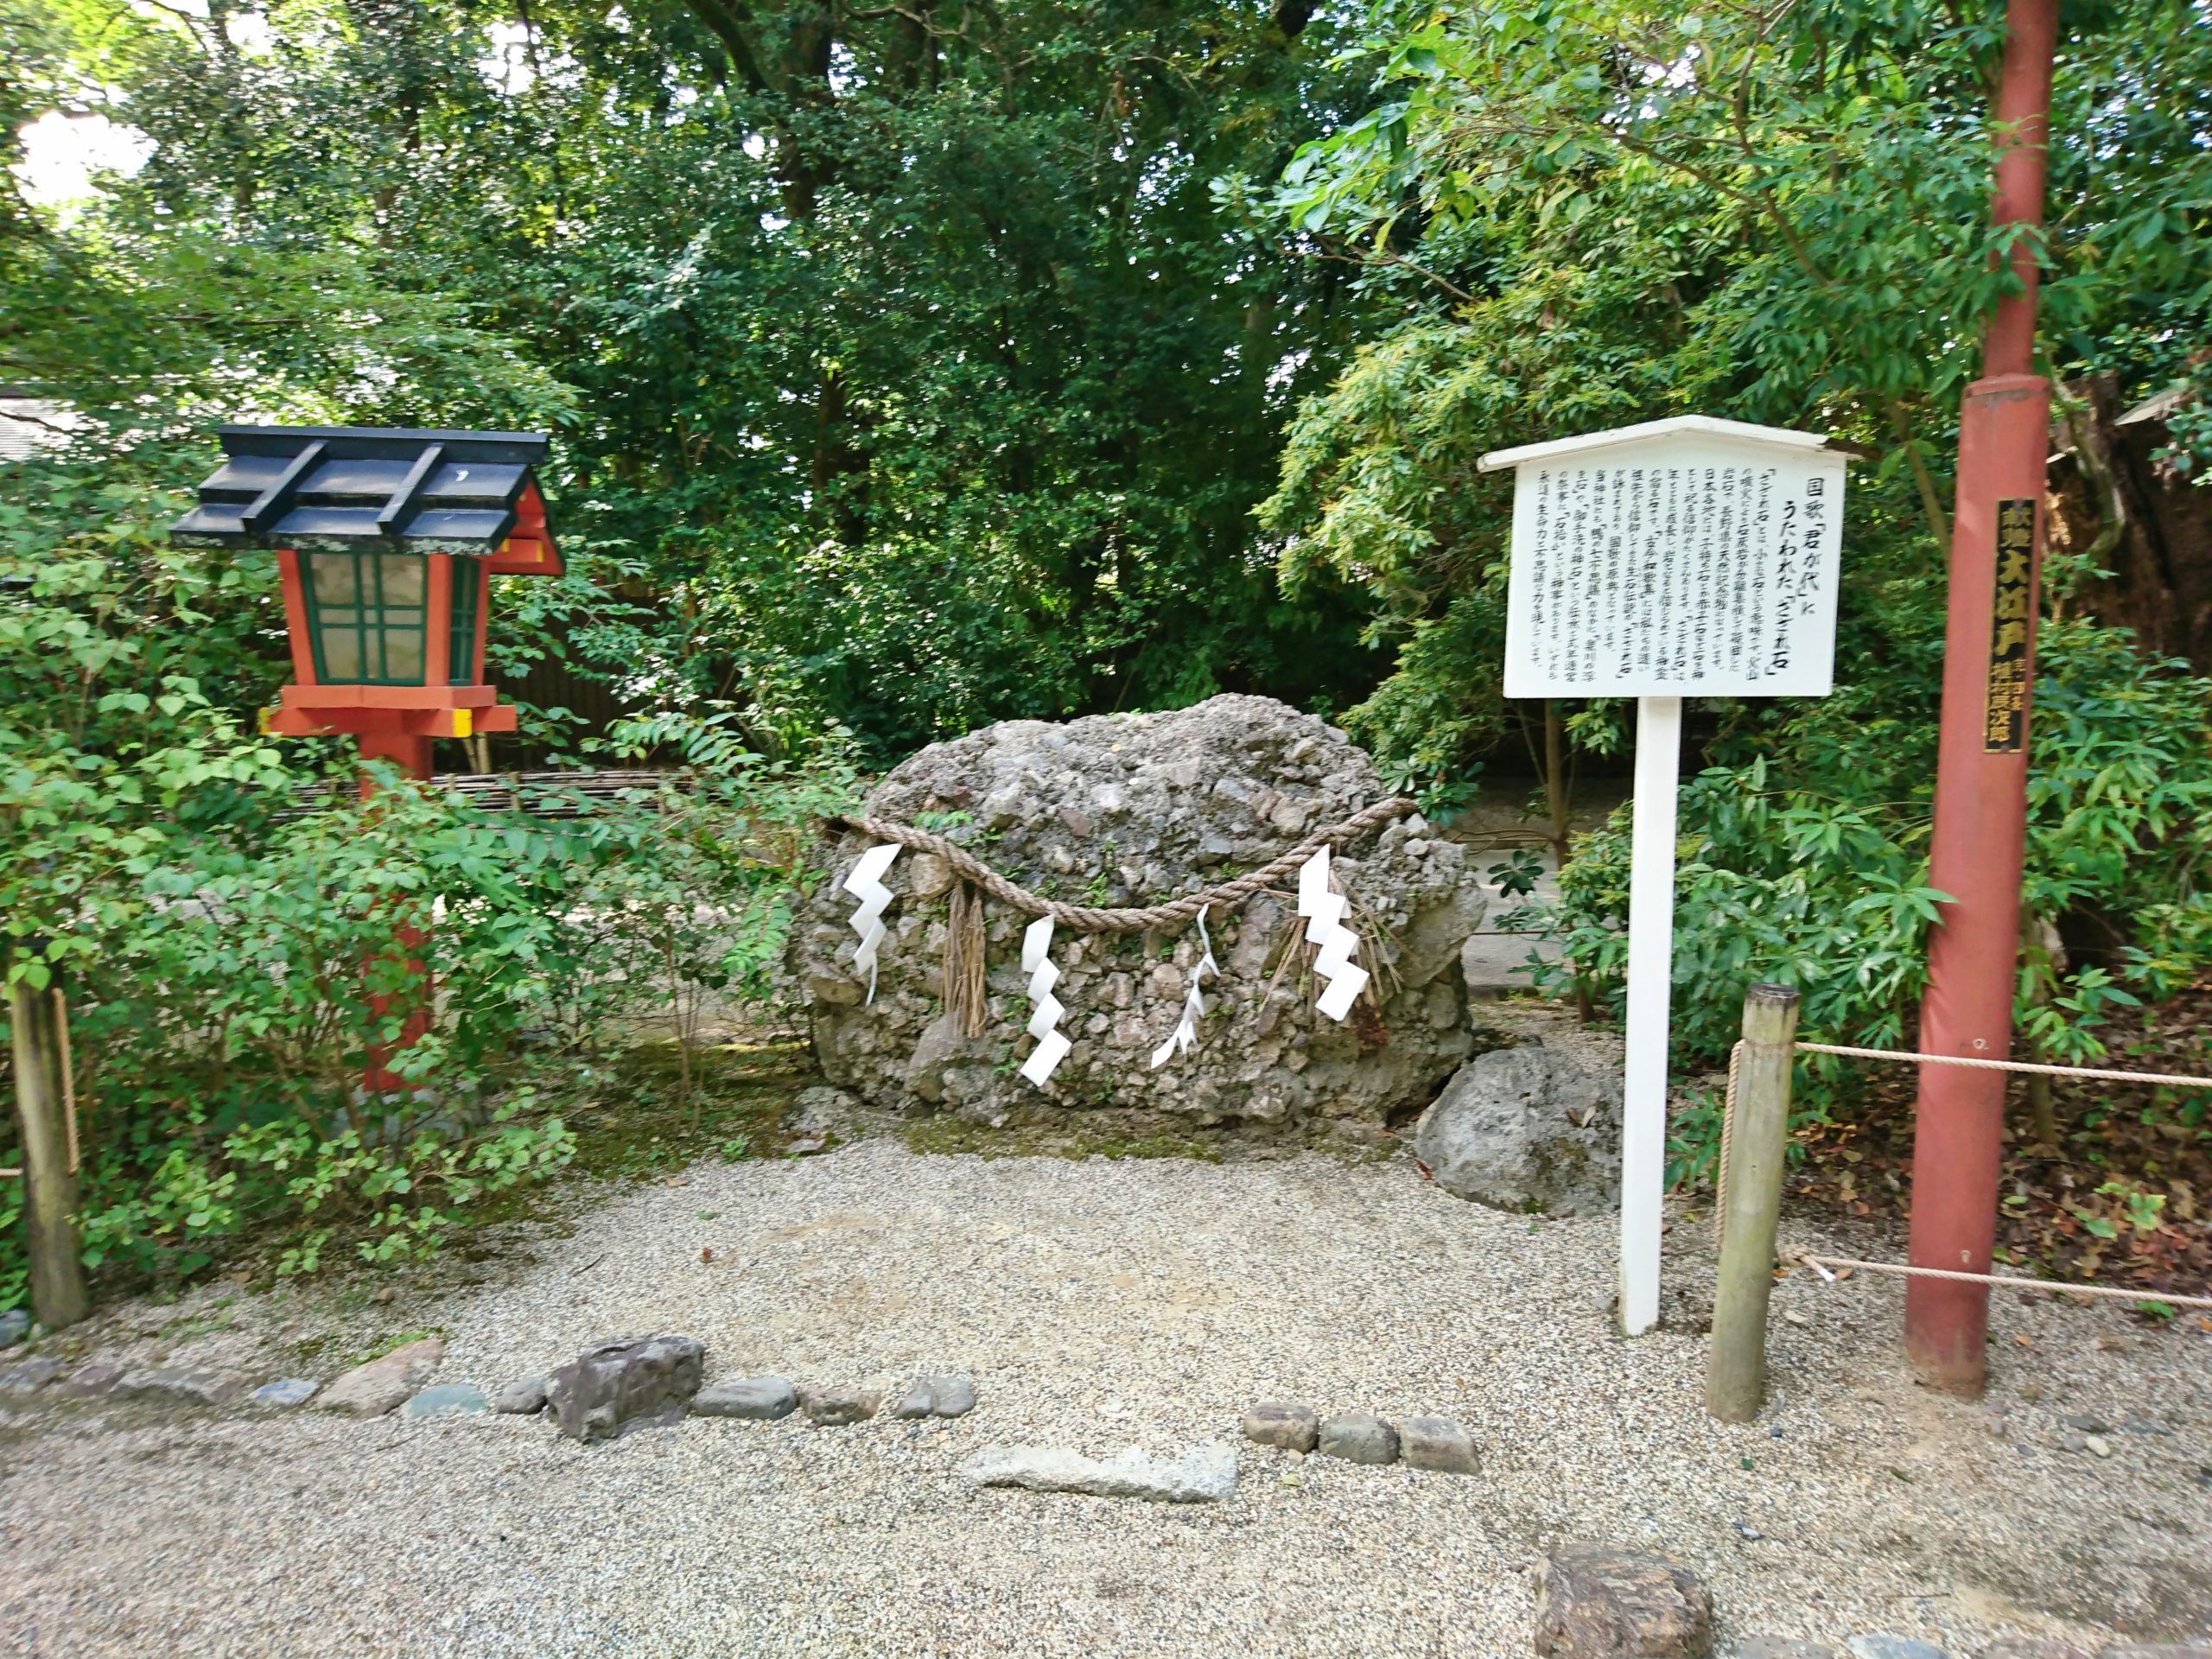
(757, 1399)
(89, 1382)
(1357, 1438)
(191, 1388)
(1782, 1646)
(446, 1400)
(609, 1389)
(1594, 1602)
(1436, 1443)
(2098, 1444)
(285, 1391)
(1277, 1422)
(1883, 1646)
(936, 1396)
(2086, 1423)
(1206, 1474)
(2072, 1440)
(372, 1390)
(31, 1375)
(15, 1326)
(839, 1408)
(522, 1399)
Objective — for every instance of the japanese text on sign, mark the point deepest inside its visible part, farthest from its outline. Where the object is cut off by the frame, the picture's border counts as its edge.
(1675, 569)
(2005, 715)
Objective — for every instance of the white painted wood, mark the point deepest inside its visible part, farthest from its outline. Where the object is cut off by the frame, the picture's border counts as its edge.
(1681, 558)
(1650, 981)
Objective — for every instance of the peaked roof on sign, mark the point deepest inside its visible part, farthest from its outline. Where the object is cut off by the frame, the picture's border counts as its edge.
(1702, 426)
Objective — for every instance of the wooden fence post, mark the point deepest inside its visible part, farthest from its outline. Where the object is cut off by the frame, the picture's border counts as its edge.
(1756, 1137)
(49, 1183)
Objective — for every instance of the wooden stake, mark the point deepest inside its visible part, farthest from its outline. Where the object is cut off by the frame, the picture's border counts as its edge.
(1758, 1136)
(49, 1183)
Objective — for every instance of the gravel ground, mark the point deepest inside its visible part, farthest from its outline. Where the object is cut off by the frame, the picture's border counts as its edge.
(1101, 1304)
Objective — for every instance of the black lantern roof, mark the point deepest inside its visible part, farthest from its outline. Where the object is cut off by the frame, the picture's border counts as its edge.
(316, 487)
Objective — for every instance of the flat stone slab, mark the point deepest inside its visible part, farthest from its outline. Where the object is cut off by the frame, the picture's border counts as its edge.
(1281, 1424)
(90, 1382)
(1595, 1602)
(29, 1376)
(523, 1398)
(284, 1392)
(1437, 1443)
(936, 1397)
(1782, 1647)
(185, 1387)
(753, 1399)
(447, 1400)
(1882, 1645)
(1204, 1474)
(385, 1383)
(839, 1408)
(1357, 1438)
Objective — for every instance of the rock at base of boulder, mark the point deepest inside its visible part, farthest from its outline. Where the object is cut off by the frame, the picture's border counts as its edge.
(617, 1386)
(1206, 1474)
(1357, 1438)
(936, 1396)
(184, 1388)
(1281, 1424)
(839, 1408)
(755, 1399)
(447, 1400)
(1526, 1129)
(90, 1382)
(15, 1326)
(372, 1389)
(523, 1398)
(1437, 1443)
(284, 1391)
(1782, 1646)
(1594, 1602)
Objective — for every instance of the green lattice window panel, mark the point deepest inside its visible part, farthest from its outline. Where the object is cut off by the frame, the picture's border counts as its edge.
(368, 613)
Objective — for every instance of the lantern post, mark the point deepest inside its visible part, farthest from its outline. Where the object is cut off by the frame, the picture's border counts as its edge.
(386, 541)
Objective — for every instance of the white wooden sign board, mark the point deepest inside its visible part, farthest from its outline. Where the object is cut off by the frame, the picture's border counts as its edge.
(1686, 557)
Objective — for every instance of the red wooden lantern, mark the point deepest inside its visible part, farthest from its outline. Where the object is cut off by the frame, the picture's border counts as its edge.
(386, 541)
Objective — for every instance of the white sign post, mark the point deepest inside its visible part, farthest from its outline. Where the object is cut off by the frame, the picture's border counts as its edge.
(1686, 557)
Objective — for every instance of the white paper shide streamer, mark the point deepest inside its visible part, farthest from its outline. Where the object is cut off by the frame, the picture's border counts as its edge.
(1325, 913)
(1052, 1045)
(865, 884)
(1185, 1034)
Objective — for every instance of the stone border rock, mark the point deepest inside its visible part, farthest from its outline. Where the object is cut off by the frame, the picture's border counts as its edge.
(1437, 1444)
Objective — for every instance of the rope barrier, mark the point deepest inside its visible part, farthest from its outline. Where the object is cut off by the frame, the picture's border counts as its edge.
(1821, 1264)
(2166, 1078)
(1086, 919)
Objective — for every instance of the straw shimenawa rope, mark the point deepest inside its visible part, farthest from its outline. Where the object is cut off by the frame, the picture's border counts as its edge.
(1085, 918)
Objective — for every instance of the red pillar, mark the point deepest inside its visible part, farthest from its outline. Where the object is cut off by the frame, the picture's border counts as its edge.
(412, 756)
(1982, 769)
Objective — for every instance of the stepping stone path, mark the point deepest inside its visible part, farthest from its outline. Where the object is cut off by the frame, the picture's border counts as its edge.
(522, 1399)
(90, 1382)
(755, 1399)
(385, 1383)
(446, 1400)
(936, 1397)
(1431, 1443)
(1206, 1474)
(838, 1408)
(285, 1391)
(30, 1376)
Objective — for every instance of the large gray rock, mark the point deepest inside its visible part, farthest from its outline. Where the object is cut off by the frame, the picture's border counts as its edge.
(1594, 1602)
(754, 1399)
(1526, 1129)
(1130, 809)
(617, 1386)
(1206, 1474)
